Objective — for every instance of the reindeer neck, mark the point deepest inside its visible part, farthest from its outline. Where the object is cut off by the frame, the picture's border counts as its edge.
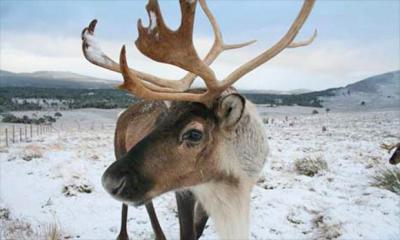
(228, 207)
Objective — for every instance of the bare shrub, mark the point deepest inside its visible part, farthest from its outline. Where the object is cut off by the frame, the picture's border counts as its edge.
(31, 152)
(388, 179)
(310, 166)
(17, 229)
(327, 229)
(22, 230)
(29, 157)
(4, 213)
(51, 232)
(73, 189)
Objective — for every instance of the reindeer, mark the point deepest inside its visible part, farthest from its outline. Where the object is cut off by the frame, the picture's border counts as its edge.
(137, 121)
(395, 158)
(209, 141)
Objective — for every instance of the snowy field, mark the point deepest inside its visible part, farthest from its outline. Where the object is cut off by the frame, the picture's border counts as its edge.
(55, 179)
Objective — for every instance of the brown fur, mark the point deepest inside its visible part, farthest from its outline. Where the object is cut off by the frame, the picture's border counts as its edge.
(134, 124)
(173, 165)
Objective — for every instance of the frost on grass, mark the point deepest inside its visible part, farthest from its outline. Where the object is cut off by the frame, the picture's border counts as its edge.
(388, 179)
(310, 166)
(73, 189)
(327, 228)
(153, 21)
(93, 50)
(31, 152)
(23, 230)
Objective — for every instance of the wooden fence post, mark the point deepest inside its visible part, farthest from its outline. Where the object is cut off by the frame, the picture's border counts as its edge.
(7, 137)
(13, 134)
(20, 134)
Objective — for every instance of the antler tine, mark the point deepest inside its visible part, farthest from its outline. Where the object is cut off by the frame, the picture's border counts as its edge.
(133, 84)
(218, 46)
(389, 147)
(283, 43)
(92, 51)
(304, 43)
(94, 54)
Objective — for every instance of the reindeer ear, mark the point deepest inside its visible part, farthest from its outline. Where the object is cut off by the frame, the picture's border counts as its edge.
(229, 109)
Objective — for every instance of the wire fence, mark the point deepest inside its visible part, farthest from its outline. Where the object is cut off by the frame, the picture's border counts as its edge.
(19, 133)
(23, 133)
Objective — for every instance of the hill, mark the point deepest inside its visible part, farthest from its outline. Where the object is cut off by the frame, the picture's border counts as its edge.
(377, 92)
(53, 79)
(65, 90)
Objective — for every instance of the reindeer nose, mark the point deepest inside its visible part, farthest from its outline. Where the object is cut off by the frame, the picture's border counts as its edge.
(114, 180)
(119, 180)
(112, 184)
(125, 181)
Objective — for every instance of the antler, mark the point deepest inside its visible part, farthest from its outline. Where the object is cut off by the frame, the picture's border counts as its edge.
(389, 147)
(176, 47)
(95, 55)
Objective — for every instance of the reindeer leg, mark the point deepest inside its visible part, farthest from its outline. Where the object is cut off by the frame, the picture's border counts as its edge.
(123, 234)
(154, 221)
(395, 159)
(200, 220)
(185, 201)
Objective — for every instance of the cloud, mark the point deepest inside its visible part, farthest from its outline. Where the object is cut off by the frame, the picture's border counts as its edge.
(324, 64)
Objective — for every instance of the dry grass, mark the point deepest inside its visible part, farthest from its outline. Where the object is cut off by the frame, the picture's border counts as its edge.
(51, 232)
(326, 229)
(73, 189)
(32, 151)
(17, 229)
(388, 179)
(310, 166)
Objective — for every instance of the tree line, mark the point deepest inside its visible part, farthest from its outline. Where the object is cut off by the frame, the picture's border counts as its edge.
(30, 98)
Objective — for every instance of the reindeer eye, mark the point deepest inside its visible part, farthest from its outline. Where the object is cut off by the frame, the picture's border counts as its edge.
(193, 135)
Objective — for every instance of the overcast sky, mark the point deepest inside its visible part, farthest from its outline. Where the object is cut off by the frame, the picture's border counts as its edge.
(356, 39)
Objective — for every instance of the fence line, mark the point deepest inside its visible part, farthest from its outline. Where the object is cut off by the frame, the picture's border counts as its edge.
(11, 138)
(20, 133)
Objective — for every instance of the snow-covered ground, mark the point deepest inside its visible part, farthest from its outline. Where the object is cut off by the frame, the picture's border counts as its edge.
(47, 180)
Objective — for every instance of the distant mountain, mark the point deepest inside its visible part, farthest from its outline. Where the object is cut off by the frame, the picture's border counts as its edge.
(377, 92)
(53, 79)
(294, 91)
(380, 91)
(56, 75)
(384, 83)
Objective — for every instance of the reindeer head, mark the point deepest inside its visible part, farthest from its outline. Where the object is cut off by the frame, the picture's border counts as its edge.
(184, 149)
(203, 135)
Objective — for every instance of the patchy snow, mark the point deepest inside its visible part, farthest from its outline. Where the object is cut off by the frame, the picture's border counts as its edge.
(337, 203)
(153, 21)
(376, 92)
(93, 50)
